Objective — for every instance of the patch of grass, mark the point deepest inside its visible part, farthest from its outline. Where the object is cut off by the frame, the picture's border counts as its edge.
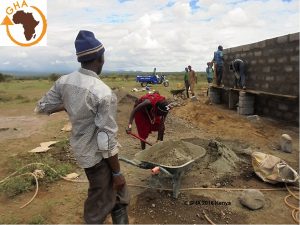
(22, 99)
(18, 185)
(9, 219)
(5, 98)
(37, 219)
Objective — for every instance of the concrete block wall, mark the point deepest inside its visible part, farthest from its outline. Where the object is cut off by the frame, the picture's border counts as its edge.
(272, 66)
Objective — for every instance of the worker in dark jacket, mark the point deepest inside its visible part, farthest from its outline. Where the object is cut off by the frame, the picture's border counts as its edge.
(237, 66)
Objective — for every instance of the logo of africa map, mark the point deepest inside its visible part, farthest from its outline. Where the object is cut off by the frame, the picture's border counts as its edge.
(23, 23)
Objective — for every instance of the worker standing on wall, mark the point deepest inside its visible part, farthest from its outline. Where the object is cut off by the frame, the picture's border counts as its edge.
(218, 61)
(237, 66)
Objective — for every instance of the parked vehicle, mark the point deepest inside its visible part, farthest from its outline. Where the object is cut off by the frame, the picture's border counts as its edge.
(152, 79)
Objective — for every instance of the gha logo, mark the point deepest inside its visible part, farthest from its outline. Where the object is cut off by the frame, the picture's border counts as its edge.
(24, 23)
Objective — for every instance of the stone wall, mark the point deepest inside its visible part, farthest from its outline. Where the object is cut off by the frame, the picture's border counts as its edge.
(272, 66)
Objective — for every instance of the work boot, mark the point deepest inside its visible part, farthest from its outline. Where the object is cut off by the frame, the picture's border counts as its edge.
(120, 216)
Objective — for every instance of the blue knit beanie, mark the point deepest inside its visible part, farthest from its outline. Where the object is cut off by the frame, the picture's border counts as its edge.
(88, 48)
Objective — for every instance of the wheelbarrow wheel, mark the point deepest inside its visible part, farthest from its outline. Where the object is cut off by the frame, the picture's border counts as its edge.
(143, 84)
(166, 84)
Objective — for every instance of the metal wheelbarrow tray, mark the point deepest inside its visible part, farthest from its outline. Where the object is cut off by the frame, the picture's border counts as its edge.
(178, 93)
(175, 172)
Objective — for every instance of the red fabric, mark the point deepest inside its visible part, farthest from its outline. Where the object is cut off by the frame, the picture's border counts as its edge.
(142, 121)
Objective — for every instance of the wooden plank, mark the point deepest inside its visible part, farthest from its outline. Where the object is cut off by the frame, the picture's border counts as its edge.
(291, 97)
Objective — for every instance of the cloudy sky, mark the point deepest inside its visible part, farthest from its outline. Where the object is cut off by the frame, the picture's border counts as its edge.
(142, 34)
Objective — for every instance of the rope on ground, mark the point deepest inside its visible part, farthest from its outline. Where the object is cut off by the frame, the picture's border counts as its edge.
(295, 212)
(36, 174)
(42, 164)
(207, 218)
(36, 189)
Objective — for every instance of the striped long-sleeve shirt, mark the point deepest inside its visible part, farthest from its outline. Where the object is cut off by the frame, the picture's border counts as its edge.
(91, 106)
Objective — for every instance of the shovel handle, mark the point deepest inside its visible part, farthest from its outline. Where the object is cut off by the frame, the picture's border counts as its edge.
(138, 137)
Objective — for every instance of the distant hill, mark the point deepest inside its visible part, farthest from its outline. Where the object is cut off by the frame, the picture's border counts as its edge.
(104, 73)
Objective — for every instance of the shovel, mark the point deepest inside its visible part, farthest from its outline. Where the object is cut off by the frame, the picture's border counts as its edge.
(138, 137)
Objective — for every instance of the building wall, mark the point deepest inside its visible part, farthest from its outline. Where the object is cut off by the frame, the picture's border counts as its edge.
(272, 66)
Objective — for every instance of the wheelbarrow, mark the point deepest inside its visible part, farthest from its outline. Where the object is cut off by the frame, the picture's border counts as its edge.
(174, 172)
(178, 93)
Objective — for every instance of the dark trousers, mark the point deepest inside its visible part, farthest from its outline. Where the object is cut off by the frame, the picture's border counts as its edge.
(219, 72)
(241, 71)
(187, 86)
(102, 198)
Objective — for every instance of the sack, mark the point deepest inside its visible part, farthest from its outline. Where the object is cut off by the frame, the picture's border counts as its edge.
(272, 169)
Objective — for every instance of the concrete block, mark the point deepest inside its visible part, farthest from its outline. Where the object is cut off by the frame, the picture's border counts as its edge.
(266, 53)
(260, 44)
(289, 116)
(261, 61)
(278, 114)
(247, 48)
(257, 53)
(265, 86)
(282, 59)
(288, 69)
(242, 93)
(256, 85)
(236, 49)
(282, 39)
(246, 97)
(280, 78)
(269, 78)
(243, 54)
(266, 69)
(283, 107)
(246, 103)
(253, 62)
(288, 50)
(266, 111)
(226, 51)
(245, 111)
(233, 99)
(271, 60)
(294, 58)
(294, 37)
(270, 42)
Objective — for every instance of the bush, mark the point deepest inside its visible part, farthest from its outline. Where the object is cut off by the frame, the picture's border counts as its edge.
(53, 77)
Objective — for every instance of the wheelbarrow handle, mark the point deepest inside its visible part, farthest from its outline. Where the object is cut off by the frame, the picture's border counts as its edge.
(138, 137)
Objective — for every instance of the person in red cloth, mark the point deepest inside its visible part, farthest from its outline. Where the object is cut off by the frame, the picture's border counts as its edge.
(149, 112)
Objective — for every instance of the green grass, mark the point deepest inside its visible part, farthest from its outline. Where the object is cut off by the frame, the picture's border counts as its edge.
(37, 219)
(19, 184)
(24, 91)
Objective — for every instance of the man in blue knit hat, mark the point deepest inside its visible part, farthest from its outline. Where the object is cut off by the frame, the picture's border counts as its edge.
(91, 106)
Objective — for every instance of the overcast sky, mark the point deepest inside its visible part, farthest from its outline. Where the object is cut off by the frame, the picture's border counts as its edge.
(142, 34)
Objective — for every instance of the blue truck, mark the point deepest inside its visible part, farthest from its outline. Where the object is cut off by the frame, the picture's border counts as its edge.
(152, 79)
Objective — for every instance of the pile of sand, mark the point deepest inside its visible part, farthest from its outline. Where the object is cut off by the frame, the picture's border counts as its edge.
(171, 153)
(124, 97)
(219, 158)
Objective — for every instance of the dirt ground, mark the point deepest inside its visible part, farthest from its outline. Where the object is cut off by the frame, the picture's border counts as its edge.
(196, 122)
